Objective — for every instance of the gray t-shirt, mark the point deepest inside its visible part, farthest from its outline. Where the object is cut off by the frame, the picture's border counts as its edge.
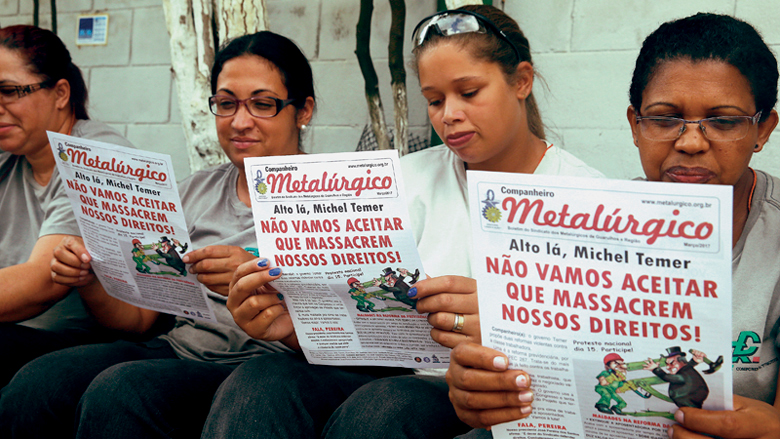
(755, 269)
(215, 216)
(30, 211)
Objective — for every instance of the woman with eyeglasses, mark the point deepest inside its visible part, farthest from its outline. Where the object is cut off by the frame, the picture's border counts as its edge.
(41, 89)
(476, 73)
(702, 98)
(702, 105)
(263, 96)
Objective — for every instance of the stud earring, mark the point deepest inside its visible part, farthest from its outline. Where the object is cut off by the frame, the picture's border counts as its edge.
(303, 127)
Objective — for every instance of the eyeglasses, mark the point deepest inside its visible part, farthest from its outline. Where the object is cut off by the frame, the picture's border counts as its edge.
(11, 93)
(718, 128)
(258, 106)
(455, 22)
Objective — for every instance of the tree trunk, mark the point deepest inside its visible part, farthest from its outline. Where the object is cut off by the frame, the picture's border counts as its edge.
(54, 16)
(398, 75)
(194, 39)
(363, 53)
(239, 17)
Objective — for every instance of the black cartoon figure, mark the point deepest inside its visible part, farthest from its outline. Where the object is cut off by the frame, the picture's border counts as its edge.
(687, 388)
(399, 288)
(610, 380)
(405, 273)
(170, 254)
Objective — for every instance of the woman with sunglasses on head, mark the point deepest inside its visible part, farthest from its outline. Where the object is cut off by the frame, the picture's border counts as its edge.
(40, 90)
(702, 104)
(475, 71)
(263, 95)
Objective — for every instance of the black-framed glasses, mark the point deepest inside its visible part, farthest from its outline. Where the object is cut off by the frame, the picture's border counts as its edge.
(11, 93)
(258, 106)
(718, 128)
(455, 22)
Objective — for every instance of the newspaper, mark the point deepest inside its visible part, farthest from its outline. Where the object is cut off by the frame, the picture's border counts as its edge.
(598, 288)
(338, 227)
(130, 216)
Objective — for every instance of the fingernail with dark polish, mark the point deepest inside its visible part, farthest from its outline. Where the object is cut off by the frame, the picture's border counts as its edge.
(262, 263)
(280, 296)
(275, 271)
(412, 292)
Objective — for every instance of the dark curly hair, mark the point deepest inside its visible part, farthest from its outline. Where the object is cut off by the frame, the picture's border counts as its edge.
(703, 37)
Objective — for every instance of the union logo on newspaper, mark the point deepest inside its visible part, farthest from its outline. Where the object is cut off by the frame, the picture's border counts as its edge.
(490, 212)
(62, 154)
(260, 185)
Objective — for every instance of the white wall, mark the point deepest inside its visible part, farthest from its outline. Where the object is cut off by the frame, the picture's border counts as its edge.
(584, 49)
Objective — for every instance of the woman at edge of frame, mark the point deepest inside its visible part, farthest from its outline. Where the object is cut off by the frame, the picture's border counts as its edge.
(41, 90)
(706, 66)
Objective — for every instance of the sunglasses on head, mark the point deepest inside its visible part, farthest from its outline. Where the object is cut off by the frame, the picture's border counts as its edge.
(454, 22)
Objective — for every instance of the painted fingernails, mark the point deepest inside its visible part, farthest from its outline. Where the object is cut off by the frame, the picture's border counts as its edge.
(262, 263)
(280, 296)
(679, 416)
(527, 396)
(275, 271)
(521, 381)
(412, 292)
(526, 409)
(500, 363)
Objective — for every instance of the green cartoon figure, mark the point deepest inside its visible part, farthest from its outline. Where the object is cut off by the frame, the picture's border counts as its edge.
(141, 258)
(360, 294)
(610, 380)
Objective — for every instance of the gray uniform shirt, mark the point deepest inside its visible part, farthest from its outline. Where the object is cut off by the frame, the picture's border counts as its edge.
(30, 211)
(756, 301)
(215, 216)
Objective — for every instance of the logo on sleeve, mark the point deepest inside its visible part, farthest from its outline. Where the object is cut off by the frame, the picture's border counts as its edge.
(744, 347)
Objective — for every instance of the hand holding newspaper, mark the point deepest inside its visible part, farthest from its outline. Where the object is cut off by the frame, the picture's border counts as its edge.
(130, 216)
(614, 296)
(338, 228)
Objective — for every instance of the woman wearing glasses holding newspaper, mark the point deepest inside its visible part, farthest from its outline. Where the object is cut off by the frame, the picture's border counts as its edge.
(40, 90)
(702, 104)
(476, 73)
(263, 95)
